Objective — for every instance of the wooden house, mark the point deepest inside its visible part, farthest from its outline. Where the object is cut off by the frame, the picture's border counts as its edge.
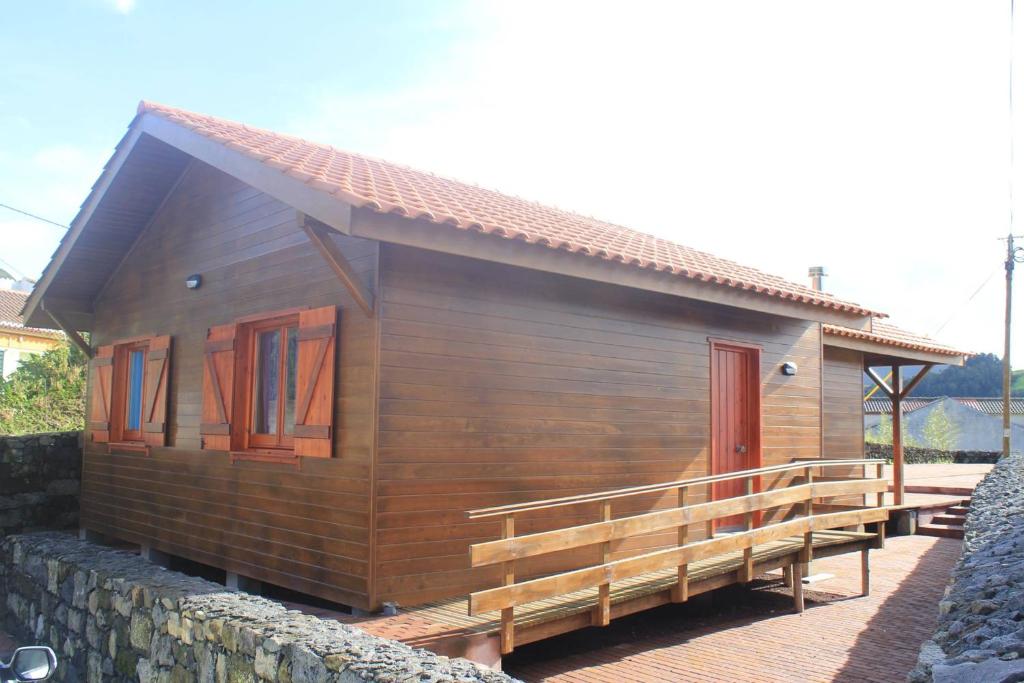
(307, 364)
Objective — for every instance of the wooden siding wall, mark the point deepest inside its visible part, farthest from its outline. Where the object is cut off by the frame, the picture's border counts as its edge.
(500, 385)
(843, 392)
(304, 529)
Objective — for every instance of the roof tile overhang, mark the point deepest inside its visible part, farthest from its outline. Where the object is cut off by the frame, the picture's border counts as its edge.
(328, 183)
(884, 341)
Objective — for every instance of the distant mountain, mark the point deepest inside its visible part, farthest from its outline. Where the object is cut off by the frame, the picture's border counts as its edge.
(982, 376)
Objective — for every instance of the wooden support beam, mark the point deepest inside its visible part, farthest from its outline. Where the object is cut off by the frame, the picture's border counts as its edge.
(787, 576)
(798, 586)
(319, 235)
(917, 378)
(879, 381)
(73, 335)
(898, 487)
(865, 573)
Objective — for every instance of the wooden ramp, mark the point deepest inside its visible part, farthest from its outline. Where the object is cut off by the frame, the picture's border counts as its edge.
(460, 633)
(491, 622)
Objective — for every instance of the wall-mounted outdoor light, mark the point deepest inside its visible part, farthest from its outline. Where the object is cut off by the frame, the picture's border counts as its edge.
(789, 368)
(193, 281)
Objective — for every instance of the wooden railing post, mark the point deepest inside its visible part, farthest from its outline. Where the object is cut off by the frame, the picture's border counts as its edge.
(808, 550)
(880, 543)
(709, 526)
(603, 614)
(864, 475)
(508, 577)
(681, 591)
(798, 587)
(748, 524)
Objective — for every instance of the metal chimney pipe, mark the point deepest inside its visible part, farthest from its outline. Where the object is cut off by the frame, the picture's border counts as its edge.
(816, 273)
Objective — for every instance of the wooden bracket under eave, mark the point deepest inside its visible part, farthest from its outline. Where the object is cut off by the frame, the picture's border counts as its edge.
(73, 335)
(904, 391)
(319, 235)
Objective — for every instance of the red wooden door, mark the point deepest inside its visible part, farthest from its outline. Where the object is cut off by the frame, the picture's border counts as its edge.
(735, 419)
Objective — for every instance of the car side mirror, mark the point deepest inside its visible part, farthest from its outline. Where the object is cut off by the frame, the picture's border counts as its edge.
(33, 663)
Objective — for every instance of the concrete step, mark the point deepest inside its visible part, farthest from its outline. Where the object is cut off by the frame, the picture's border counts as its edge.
(941, 530)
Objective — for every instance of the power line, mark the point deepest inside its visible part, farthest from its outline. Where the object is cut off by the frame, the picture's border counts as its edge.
(16, 273)
(962, 306)
(32, 215)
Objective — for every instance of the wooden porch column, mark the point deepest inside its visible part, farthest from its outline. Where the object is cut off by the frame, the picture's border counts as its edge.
(897, 436)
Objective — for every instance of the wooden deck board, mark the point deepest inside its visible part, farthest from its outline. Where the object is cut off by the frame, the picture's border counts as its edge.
(454, 612)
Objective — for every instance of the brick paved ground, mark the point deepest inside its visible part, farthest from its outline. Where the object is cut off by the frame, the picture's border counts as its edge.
(751, 635)
(958, 476)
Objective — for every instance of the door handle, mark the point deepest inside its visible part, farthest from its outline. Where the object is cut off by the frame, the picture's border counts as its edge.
(740, 448)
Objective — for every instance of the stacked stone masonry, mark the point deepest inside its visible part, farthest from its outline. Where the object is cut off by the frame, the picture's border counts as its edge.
(112, 616)
(912, 455)
(980, 636)
(40, 476)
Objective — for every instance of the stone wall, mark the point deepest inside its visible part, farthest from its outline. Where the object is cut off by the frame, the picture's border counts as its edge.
(112, 616)
(913, 455)
(980, 636)
(39, 480)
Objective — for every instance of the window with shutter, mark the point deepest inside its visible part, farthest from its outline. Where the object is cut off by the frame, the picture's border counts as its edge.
(268, 385)
(218, 387)
(128, 393)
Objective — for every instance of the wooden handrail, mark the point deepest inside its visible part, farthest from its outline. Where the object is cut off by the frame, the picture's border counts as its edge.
(544, 542)
(510, 548)
(654, 488)
(567, 582)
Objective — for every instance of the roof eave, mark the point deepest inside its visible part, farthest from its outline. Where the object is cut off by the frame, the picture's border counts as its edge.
(893, 353)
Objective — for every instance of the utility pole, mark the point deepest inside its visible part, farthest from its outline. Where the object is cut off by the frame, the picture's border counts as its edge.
(1012, 256)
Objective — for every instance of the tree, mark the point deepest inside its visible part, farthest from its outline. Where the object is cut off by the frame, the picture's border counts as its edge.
(940, 432)
(45, 394)
(982, 375)
(882, 434)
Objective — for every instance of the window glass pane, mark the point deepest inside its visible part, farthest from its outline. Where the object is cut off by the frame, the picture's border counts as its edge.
(135, 363)
(292, 360)
(268, 349)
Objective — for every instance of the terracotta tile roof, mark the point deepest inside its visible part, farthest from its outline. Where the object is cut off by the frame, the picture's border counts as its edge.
(992, 405)
(391, 188)
(890, 335)
(987, 405)
(11, 304)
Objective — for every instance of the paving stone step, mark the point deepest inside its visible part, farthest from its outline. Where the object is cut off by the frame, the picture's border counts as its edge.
(941, 530)
(948, 520)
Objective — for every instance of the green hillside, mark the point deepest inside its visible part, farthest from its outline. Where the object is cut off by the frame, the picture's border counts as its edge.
(1017, 388)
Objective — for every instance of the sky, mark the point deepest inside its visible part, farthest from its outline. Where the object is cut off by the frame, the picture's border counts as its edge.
(871, 137)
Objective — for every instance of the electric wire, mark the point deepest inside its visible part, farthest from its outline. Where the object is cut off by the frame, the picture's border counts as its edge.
(32, 215)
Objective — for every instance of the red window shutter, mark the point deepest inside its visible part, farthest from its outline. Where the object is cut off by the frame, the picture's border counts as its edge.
(101, 384)
(314, 382)
(218, 387)
(158, 379)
